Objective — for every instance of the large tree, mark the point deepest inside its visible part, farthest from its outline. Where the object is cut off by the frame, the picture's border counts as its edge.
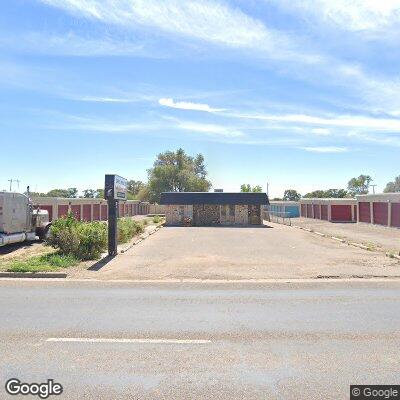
(291, 195)
(359, 185)
(393, 187)
(175, 171)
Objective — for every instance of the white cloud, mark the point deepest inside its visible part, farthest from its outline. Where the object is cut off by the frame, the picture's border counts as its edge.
(206, 20)
(326, 149)
(353, 15)
(209, 129)
(342, 121)
(321, 131)
(184, 105)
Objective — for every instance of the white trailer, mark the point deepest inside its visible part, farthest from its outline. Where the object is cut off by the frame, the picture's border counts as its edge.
(18, 221)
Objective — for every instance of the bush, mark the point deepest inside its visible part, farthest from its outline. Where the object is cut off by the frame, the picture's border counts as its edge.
(127, 229)
(82, 240)
(156, 219)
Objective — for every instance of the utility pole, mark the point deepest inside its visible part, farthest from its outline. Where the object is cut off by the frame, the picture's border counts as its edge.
(373, 188)
(267, 189)
(12, 181)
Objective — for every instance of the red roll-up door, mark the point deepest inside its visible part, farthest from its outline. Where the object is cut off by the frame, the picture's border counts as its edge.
(309, 210)
(365, 212)
(96, 212)
(324, 212)
(49, 209)
(303, 210)
(104, 212)
(62, 211)
(341, 213)
(380, 213)
(396, 215)
(317, 213)
(87, 212)
(76, 210)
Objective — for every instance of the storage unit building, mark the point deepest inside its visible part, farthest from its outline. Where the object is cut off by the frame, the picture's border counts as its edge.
(379, 209)
(213, 208)
(87, 209)
(333, 210)
(289, 209)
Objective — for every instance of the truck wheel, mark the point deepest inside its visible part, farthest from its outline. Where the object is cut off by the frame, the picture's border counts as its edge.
(44, 233)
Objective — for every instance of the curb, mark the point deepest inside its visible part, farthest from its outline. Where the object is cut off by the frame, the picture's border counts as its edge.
(338, 239)
(142, 237)
(359, 245)
(33, 275)
(391, 255)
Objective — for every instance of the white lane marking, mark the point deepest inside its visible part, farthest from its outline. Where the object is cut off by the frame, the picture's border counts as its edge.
(122, 340)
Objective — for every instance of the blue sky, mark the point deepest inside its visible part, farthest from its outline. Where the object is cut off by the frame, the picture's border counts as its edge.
(300, 94)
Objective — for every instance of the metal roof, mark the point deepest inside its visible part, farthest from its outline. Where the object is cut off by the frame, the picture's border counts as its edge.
(182, 198)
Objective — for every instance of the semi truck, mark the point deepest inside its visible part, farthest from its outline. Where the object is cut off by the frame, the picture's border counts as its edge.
(19, 221)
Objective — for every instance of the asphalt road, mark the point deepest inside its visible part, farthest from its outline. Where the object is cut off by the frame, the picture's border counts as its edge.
(200, 341)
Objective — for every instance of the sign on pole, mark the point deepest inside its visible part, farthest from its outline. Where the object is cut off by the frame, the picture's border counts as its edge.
(115, 189)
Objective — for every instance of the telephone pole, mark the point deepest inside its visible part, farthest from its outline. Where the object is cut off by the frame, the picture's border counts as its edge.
(373, 188)
(12, 181)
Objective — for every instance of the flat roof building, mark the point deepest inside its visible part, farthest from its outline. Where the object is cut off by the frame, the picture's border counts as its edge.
(213, 208)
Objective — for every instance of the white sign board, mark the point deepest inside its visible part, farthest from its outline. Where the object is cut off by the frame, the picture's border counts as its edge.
(120, 188)
(115, 188)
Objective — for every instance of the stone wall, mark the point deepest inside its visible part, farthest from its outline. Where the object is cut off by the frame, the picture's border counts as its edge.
(213, 214)
(254, 212)
(241, 214)
(206, 214)
(175, 214)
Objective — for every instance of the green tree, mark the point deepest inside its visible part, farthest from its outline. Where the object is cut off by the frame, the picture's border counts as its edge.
(359, 185)
(316, 194)
(291, 195)
(134, 187)
(393, 187)
(247, 188)
(336, 193)
(90, 193)
(175, 171)
(65, 193)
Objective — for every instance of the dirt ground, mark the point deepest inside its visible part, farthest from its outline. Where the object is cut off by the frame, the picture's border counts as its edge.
(276, 251)
(381, 238)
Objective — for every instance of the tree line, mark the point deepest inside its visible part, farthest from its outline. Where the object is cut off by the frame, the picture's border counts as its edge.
(176, 171)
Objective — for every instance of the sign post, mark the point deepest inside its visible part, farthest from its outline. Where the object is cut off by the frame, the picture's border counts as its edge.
(115, 189)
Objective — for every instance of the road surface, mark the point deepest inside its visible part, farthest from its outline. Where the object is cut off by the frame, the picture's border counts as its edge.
(104, 340)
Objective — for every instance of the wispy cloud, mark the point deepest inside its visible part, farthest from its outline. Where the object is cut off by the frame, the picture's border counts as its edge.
(321, 131)
(343, 121)
(326, 149)
(185, 105)
(209, 21)
(354, 15)
(208, 129)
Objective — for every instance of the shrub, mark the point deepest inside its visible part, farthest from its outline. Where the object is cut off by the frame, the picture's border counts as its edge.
(127, 229)
(156, 219)
(83, 240)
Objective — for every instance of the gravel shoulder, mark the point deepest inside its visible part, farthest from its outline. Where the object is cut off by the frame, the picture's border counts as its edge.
(275, 252)
(380, 238)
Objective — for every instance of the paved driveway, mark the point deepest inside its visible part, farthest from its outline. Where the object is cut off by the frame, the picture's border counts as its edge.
(243, 253)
